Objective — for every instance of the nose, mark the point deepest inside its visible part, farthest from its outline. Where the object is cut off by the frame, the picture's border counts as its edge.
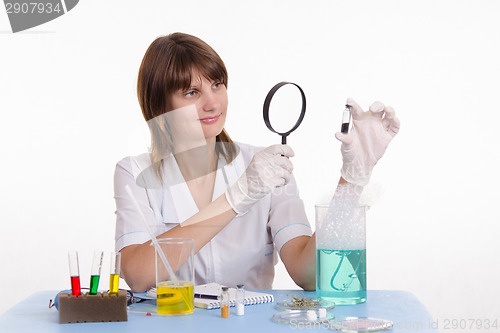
(209, 102)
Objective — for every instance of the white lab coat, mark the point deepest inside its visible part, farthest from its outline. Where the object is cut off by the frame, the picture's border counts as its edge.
(244, 252)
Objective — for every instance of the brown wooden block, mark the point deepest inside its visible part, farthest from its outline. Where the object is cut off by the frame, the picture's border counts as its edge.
(101, 307)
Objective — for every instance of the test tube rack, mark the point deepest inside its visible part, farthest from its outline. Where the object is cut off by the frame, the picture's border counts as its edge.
(85, 308)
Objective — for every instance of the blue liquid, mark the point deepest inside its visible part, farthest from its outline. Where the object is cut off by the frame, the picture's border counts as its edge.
(341, 276)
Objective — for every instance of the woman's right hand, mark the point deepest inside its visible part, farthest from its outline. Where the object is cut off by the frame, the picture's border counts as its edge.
(269, 168)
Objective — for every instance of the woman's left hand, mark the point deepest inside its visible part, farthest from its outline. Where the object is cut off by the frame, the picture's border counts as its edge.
(371, 133)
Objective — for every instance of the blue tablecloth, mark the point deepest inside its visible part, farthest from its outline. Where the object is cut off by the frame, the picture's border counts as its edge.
(402, 308)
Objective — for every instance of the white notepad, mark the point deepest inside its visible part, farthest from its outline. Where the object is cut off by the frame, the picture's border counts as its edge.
(251, 297)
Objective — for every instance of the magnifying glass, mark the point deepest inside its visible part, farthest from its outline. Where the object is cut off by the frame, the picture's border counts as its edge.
(267, 104)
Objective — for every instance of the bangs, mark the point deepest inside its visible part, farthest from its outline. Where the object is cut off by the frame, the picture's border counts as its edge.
(179, 73)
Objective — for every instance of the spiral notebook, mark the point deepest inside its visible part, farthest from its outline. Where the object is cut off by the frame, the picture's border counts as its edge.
(214, 289)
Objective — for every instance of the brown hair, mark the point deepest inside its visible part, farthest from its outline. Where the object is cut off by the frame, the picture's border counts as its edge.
(166, 68)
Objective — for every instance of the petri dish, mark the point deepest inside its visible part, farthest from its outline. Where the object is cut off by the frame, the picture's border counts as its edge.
(361, 324)
(291, 305)
(300, 317)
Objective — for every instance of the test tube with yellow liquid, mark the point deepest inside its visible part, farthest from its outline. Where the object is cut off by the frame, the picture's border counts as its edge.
(114, 276)
(175, 294)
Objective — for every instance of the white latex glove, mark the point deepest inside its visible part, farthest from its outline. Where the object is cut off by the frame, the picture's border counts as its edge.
(366, 143)
(269, 168)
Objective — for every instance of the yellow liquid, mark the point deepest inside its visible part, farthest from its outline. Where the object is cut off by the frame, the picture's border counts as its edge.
(113, 283)
(175, 298)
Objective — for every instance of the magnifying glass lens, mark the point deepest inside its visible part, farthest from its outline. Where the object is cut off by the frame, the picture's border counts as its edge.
(283, 103)
(285, 108)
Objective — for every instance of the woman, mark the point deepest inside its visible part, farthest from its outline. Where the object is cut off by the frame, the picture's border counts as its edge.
(239, 203)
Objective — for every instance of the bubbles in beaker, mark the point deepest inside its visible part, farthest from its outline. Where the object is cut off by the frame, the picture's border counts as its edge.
(341, 224)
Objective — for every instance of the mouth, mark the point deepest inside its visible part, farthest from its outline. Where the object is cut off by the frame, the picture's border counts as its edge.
(210, 120)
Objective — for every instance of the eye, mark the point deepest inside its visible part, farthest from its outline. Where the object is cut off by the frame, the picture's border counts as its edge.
(217, 85)
(190, 93)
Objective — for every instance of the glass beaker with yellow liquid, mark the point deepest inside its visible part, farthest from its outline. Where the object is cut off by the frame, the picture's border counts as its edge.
(175, 295)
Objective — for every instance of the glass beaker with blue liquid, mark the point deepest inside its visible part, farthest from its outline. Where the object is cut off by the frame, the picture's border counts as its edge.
(341, 252)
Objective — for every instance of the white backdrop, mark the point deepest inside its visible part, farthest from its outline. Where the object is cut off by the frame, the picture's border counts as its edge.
(69, 112)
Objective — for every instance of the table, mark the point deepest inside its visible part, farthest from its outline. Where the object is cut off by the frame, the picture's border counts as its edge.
(401, 307)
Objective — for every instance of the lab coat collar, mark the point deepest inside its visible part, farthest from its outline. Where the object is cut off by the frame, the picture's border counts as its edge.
(178, 203)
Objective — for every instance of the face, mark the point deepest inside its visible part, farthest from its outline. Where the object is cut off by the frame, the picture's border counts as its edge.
(210, 99)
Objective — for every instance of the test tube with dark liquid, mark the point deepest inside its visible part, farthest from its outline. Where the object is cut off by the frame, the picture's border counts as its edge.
(74, 273)
(95, 272)
(346, 119)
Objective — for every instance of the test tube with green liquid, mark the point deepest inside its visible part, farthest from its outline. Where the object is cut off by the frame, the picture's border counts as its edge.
(114, 272)
(95, 272)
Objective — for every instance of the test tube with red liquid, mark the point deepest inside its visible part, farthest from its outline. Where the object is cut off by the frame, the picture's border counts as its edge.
(74, 273)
